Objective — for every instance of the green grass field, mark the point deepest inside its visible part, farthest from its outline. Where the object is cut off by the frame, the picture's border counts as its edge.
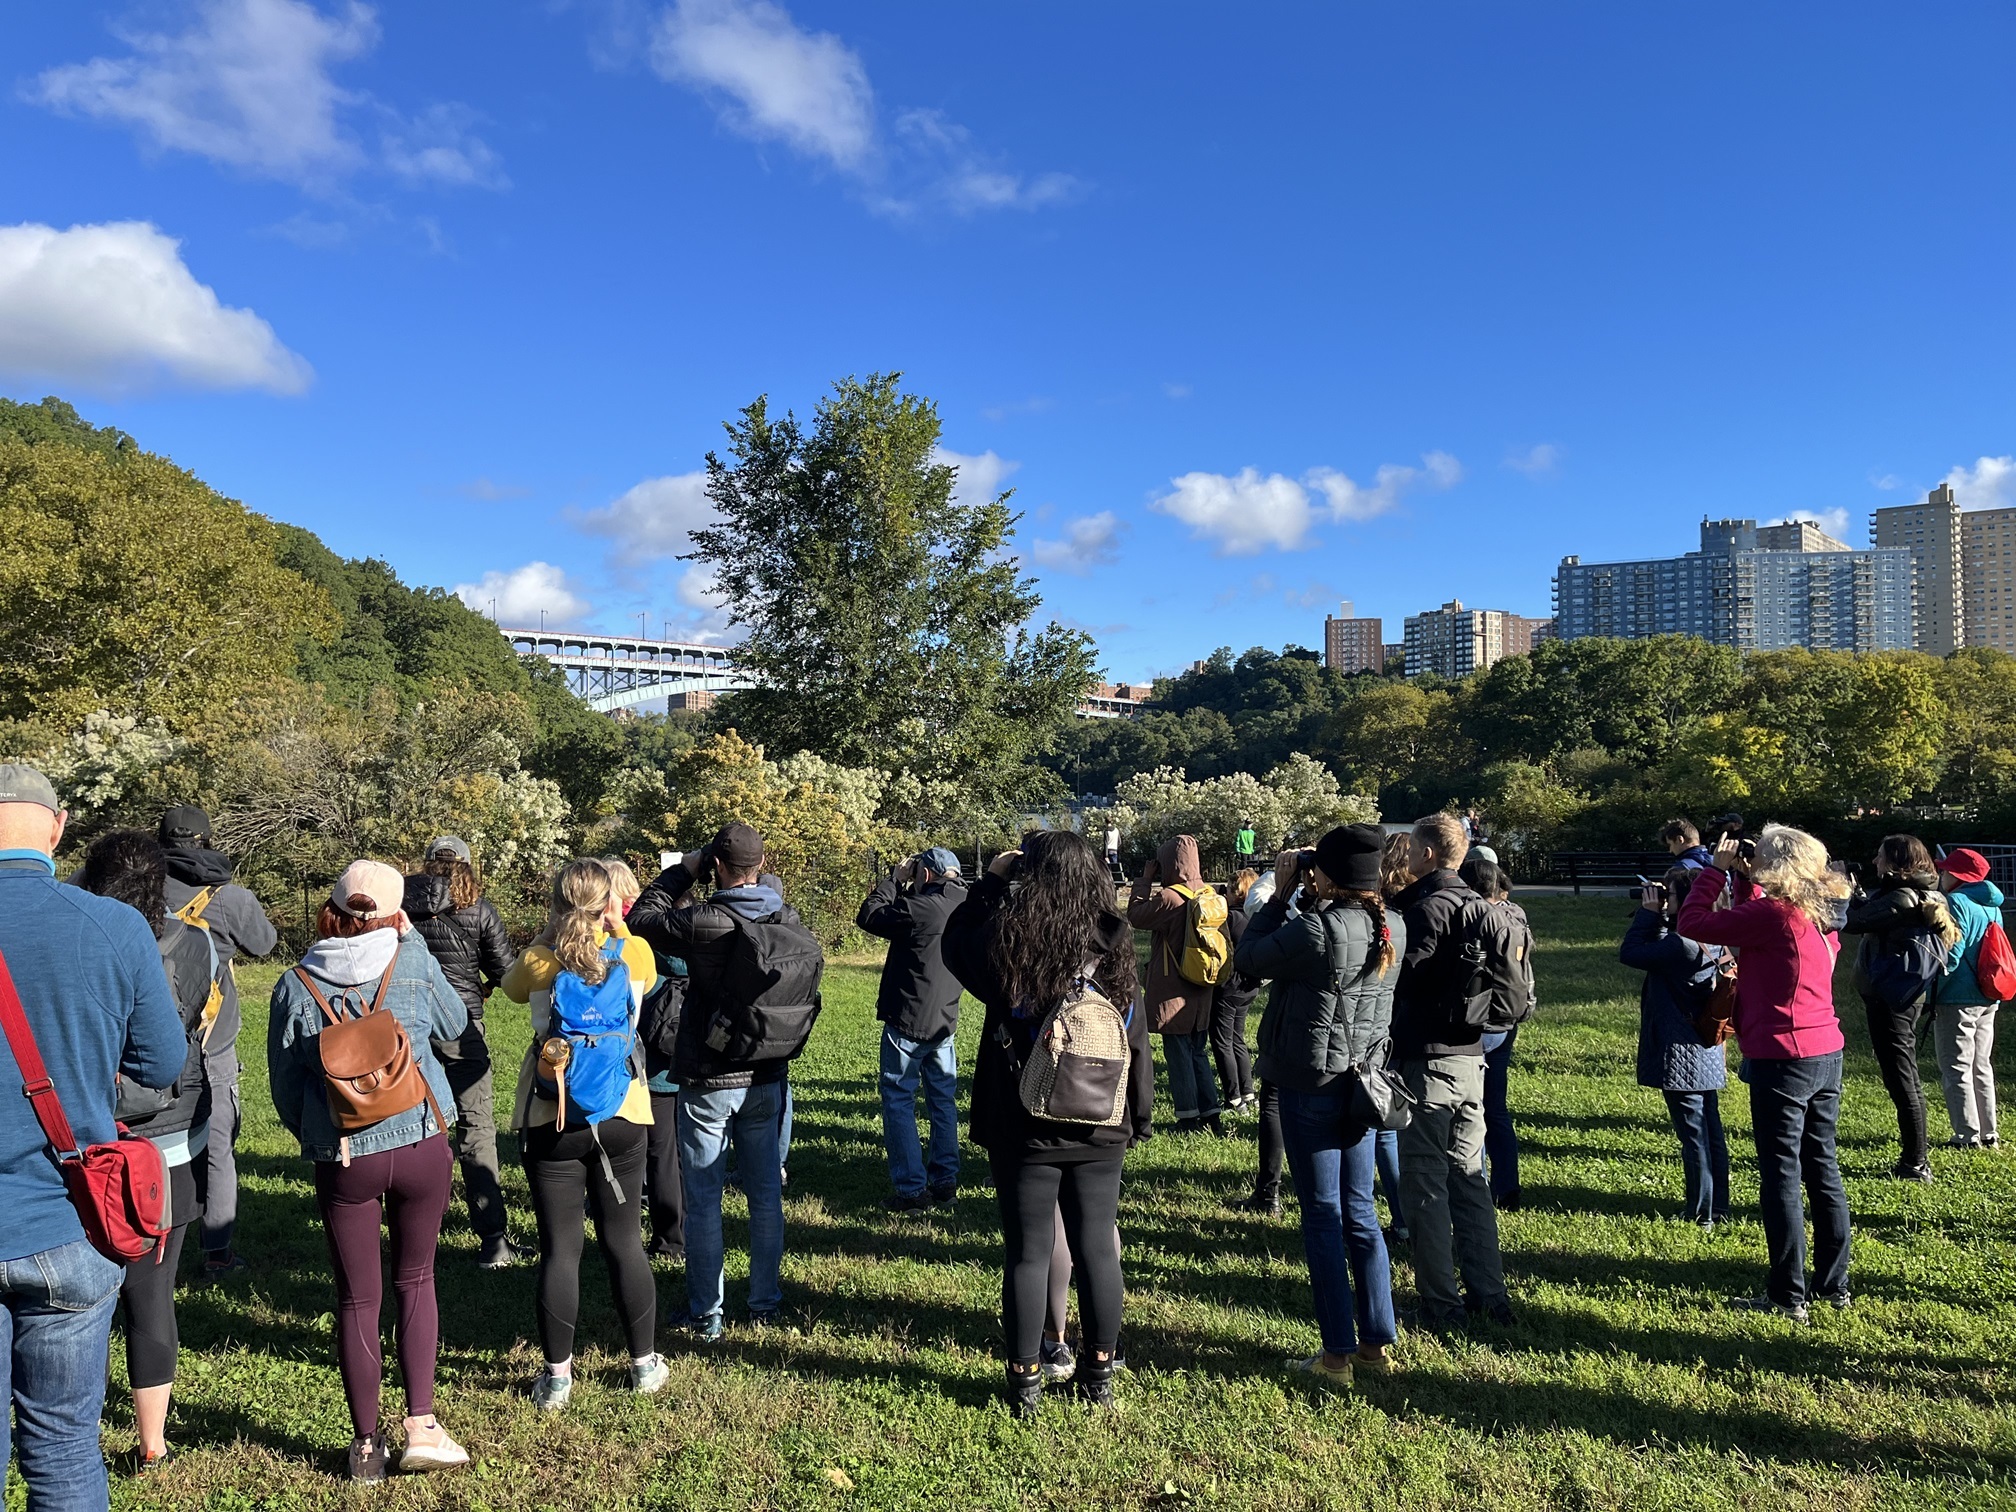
(1625, 1386)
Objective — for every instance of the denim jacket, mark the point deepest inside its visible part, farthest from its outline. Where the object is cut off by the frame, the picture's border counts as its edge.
(419, 996)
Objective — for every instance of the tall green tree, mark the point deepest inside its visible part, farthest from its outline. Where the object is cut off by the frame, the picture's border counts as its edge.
(887, 623)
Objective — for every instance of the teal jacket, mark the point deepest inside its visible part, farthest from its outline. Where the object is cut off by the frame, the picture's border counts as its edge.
(1975, 906)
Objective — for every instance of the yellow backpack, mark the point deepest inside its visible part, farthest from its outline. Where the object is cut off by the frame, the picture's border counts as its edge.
(191, 913)
(1207, 948)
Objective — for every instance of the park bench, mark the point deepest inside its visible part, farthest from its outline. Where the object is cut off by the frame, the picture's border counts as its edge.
(1608, 868)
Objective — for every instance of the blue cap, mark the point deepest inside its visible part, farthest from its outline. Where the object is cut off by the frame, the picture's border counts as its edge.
(941, 860)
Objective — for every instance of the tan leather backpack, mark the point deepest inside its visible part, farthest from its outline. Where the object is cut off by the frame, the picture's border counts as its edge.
(368, 1070)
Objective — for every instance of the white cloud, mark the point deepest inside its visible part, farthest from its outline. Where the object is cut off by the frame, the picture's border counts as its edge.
(654, 519)
(809, 90)
(980, 477)
(112, 307)
(1885, 481)
(1088, 541)
(521, 594)
(1989, 484)
(251, 85)
(1541, 461)
(776, 81)
(1246, 513)
(699, 592)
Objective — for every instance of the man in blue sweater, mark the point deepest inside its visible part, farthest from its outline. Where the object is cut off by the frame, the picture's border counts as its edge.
(96, 998)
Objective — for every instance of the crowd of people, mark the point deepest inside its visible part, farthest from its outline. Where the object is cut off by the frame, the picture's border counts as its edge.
(1397, 974)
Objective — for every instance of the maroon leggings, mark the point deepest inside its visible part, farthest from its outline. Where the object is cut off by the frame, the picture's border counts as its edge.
(410, 1186)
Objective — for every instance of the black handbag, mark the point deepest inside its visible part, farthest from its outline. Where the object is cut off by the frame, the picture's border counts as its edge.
(1378, 1099)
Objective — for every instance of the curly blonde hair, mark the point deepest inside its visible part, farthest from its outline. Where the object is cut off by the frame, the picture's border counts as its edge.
(581, 894)
(1791, 865)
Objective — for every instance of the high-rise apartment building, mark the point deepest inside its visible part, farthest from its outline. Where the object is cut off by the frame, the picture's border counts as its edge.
(1934, 535)
(1353, 644)
(1988, 579)
(1757, 588)
(1455, 641)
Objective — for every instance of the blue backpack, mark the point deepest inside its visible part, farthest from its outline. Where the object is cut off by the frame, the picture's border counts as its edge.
(594, 1020)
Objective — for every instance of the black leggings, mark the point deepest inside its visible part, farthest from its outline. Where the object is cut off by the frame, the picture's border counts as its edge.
(1031, 1196)
(147, 1295)
(1272, 1150)
(568, 1181)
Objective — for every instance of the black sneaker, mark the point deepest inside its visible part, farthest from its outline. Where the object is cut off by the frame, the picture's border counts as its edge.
(223, 1265)
(1919, 1172)
(944, 1195)
(1093, 1384)
(367, 1459)
(1840, 1301)
(1441, 1325)
(1506, 1202)
(1189, 1126)
(901, 1203)
(1217, 1126)
(1023, 1392)
(1792, 1311)
(1055, 1360)
(1264, 1201)
(496, 1254)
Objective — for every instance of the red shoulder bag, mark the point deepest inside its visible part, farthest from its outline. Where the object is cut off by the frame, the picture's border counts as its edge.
(120, 1189)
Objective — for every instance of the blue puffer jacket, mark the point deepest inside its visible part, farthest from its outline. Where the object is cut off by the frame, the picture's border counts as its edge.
(1679, 975)
(1975, 906)
(419, 996)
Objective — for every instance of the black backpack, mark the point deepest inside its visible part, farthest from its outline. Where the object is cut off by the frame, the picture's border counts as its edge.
(769, 992)
(658, 1018)
(1476, 948)
(1509, 939)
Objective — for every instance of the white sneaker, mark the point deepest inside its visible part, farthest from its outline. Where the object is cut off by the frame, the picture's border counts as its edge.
(651, 1376)
(430, 1449)
(551, 1393)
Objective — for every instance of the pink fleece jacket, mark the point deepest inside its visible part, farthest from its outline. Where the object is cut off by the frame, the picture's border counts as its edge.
(1784, 971)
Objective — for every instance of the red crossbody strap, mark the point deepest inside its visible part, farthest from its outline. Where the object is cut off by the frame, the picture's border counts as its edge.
(35, 1081)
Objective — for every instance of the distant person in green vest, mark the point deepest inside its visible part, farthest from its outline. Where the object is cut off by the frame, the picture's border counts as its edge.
(1242, 846)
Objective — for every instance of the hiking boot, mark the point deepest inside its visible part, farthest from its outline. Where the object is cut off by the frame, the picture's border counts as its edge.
(1023, 1391)
(428, 1447)
(902, 1203)
(1055, 1360)
(552, 1393)
(1793, 1311)
(1265, 1201)
(649, 1377)
(496, 1254)
(366, 1460)
(1093, 1384)
(1336, 1377)
(221, 1265)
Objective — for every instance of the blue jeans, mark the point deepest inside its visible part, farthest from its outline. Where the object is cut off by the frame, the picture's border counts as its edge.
(1501, 1140)
(1332, 1158)
(1704, 1153)
(1794, 1107)
(1193, 1085)
(1388, 1147)
(55, 1326)
(751, 1118)
(906, 1062)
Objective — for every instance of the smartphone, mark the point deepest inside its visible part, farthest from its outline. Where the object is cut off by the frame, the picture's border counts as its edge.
(1660, 887)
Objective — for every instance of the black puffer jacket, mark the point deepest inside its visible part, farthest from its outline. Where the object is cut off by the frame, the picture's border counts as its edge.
(997, 1120)
(157, 1114)
(919, 996)
(1327, 1011)
(1906, 926)
(470, 943)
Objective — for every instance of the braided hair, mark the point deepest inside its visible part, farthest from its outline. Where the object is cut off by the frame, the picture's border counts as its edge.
(1380, 956)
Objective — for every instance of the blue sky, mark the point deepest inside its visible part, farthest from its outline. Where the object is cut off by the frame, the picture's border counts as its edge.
(1256, 308)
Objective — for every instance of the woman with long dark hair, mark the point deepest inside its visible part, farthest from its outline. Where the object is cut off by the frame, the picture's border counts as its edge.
(1021, 943)
(1333, 969)
(131, 866)
(1907, 930)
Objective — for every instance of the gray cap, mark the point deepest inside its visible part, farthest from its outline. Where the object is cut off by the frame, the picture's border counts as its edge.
(1484, 853)
(23, 784)
(941, 861)
(453, 845)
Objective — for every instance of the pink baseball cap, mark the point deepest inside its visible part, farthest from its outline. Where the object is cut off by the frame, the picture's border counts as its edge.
(369, 890)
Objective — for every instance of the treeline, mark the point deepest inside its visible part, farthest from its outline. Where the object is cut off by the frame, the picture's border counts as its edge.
(1590, 744)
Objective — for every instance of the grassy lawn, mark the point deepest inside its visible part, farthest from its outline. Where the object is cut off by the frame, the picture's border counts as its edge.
(1624, 1386)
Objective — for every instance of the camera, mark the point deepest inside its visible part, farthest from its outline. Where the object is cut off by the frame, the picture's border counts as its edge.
(1650, 885)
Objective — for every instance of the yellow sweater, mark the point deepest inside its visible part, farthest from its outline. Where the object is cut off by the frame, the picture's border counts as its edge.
(530, 980)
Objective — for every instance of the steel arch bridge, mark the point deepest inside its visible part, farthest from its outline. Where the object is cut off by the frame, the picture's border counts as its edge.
(611, 672)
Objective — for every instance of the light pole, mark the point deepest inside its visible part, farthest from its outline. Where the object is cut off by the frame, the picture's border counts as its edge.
(542, 621)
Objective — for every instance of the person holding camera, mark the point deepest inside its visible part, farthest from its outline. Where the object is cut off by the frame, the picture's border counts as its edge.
(724, 1096)
(1907, 929)
(1785, 904)
(918, 1004)
(1179, 1009)
(1329, 1007)
(1679, 980)
(1441, 1058)
(1021, 943)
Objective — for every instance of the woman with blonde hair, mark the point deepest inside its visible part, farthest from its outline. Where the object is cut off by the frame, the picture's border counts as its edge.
(1907, 930)
(1333, 969)
(1785, 904)
(583, 1131)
